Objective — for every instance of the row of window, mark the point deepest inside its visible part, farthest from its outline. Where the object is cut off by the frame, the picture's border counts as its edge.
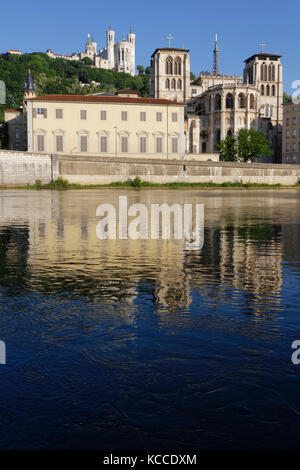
(292, 147)
(293, 121)
(293, 133)
(268, 91)
(173, 66)
(103, 143)
(173, 84)
(229, 102)
(103, 115)
(267, 73)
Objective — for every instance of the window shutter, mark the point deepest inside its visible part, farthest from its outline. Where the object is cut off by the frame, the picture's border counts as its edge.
(45, 113)
(34, 112)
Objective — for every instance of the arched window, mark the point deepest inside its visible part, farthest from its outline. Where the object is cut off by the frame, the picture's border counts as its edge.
(167, 84)
(173, 84)
(273, 73)
(252, 102)
(177, 66)
(264, 72)
(242, 101)
(169, 66)
(268, 90)
(217, 102)
(229, 101)
(262, 90)
(179, 84)
(209, 104)
(273, 90)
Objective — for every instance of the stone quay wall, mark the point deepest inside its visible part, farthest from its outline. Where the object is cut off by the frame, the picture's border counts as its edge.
(22, 168)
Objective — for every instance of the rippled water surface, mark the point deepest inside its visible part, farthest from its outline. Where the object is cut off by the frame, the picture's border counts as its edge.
(143, 344)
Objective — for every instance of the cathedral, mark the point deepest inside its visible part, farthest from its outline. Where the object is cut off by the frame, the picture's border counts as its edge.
(119, 56)
(219, 105)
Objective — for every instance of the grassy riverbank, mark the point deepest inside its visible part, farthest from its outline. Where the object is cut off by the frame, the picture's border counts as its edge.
(137, 183)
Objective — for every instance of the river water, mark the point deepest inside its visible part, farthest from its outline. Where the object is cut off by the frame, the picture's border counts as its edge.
(142, 344)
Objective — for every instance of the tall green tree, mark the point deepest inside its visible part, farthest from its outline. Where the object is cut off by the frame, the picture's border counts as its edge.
(251, 145)
(246, 145)
(228, 149)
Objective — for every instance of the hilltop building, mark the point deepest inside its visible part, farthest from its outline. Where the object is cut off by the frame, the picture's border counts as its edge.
(119, 56)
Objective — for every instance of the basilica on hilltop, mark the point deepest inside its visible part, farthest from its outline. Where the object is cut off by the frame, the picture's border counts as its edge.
(119, 56)
(218, 105)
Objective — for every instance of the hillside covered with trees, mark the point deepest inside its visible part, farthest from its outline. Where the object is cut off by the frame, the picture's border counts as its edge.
(64, 77)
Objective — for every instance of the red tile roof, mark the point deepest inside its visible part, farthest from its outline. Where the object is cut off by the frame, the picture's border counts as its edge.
(104, 99)
(12, 110)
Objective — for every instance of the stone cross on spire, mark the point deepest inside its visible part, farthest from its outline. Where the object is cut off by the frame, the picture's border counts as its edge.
(262, 45)
(169, 38)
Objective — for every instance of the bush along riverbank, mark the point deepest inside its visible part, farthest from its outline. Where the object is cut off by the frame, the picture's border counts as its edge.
(62, 185)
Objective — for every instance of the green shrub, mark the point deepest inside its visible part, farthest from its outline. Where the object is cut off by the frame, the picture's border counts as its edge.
(137, 182)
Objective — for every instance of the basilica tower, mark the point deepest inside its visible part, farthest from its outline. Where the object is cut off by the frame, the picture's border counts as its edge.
(110, 43)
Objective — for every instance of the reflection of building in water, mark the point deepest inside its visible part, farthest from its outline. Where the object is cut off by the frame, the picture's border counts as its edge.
(172, 286)
(64, 254)
(251, 266)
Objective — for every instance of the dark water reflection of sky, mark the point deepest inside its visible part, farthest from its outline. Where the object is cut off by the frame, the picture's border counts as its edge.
(142, 344)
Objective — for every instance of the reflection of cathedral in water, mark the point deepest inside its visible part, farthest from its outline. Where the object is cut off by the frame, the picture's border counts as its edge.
(63, 250)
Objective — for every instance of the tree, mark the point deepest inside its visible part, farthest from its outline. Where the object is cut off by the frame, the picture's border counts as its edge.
(247, 145)
(192, 76)
(286, 98)
(141, 69)
(228, 149)
(251, 145)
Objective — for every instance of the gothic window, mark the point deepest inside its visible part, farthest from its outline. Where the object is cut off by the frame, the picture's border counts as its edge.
(242, 101)
(177, 66)
(252, 102)
(271, 75)
(169, 66)
(209, 104)
(264, 72)
(262, 90)
(268, 90)
(167, 84)
(217, 102)
(179, 84)
(273, 90)
(173, 84)
(229, 101)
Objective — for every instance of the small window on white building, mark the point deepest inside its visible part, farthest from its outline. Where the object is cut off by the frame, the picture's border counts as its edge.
(159, 117)
(40, 143)
(174, 145)
(143, 144)
(103, 143)
(83, 114)
(83, 143)
(59, 113)
(59, 141)
(124, 144)
(159, 143)
(174, 117)
(103, 115)
(142, 116)
(124, 115)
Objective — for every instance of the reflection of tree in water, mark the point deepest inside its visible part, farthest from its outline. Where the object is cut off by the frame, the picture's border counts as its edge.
(14, 246)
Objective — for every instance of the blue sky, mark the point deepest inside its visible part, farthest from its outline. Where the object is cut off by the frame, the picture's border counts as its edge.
(241, 25)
